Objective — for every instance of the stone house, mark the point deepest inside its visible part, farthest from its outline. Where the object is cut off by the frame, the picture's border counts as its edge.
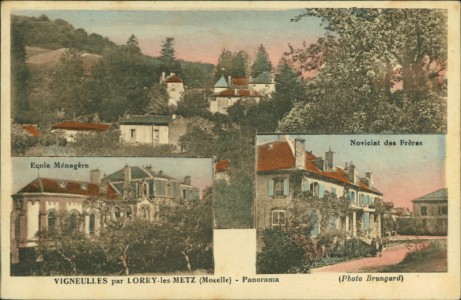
(278, 160)
(130, 193)
(431, 212)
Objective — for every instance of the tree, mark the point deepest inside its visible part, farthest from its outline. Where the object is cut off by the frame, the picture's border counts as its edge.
(224, 66)
(200, 138)
(158, 100)
(240, 63)
(356, 67)
(194, 103)
(167, 57)
(19, 73)
(132, 45)
(261, 63)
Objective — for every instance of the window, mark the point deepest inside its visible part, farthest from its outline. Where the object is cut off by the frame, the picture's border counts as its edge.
(443, 210)
(128, 212)
(145, 212)
(117, 212)
(52, 219)
(279, 187)
(74, 221)
(278, 219)
(423, 211)
(169, 190)
(184, 193)
(92, 224)
(314, 187)
(132, 133)
(156, 134)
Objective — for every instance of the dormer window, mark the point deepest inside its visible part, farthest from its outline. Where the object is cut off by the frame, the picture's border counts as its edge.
(62, 184)
(84, 186)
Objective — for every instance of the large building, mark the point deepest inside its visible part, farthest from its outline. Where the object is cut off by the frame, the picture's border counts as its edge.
(132, 192)
(227, 93)
(278, 160)
(431, 212)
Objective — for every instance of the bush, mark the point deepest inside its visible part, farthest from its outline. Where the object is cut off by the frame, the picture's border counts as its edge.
(21, 141)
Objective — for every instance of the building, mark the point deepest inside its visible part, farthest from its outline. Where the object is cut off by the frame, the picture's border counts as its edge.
(278, 160)
(222, 170)
(152, 129)
(227, 93)
(132, 192)
(69, 130)
(174, 87)
(431, 212)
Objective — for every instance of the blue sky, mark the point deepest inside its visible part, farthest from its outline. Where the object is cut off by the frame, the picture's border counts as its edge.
(200, 34)
(200, 169)
(402, 173)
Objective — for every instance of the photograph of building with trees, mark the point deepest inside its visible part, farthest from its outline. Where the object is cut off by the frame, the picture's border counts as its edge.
(137, 219)
(151, 83)
(313, 210)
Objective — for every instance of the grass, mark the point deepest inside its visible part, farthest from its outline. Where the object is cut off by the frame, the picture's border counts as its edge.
(429, 259)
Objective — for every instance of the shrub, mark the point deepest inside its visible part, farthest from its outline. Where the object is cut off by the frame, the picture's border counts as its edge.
(21, 140)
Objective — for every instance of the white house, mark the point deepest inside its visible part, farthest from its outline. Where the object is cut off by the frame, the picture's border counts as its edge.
(174, 87)
(144, 129)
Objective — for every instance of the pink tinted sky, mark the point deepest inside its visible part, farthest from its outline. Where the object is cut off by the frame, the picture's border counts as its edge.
(401, 173)
(200, 34)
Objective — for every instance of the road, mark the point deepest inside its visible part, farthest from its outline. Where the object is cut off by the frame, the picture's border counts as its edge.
(390, 256)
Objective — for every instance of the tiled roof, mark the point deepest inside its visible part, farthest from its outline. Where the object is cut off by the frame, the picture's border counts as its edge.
(239, 81)
(80, 126)
(278, 155)
(264, 78)
(60, 186)
(145, 119)
(238, 93)
(221, 83)
(31, 129)
(438, 195)
(222, 166)
(173, 79)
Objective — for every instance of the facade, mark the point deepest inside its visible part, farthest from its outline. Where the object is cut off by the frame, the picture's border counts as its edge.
(278, 160)
(174, 87)
(69, 130)
(227, 93)
(431, 212)
(152, 130)
(132, 192)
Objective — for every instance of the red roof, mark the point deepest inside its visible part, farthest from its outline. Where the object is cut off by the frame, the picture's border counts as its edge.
(278, 155)
(173, 79)
(32, 130)
(238, 93)
(239, 81)
(274, 156)
(222, 165)
(58, 186)
(81, 126)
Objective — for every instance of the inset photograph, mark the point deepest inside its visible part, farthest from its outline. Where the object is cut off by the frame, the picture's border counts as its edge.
(111, 216)
(351, 203)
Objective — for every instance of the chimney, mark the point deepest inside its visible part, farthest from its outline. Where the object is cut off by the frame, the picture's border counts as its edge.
(172, 74)
(235, 92)
(300, 154)
(329, 160)
(229, 81)
(95, 177)
(187, 180)
(351, 172)
(127, 174)
(162, 79)
(370, 179)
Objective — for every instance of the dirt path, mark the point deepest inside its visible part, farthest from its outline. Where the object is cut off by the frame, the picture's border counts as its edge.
(390, 256)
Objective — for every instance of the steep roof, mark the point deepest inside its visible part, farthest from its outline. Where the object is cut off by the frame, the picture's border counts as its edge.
(279, 155)
(263, 78)
(238, 93)
(60, 186)
(173, 79)
(146, 120)
(80, 126)
(221, 83)
(136, 173)
(438, 195)
(31, 129)
(239, 82)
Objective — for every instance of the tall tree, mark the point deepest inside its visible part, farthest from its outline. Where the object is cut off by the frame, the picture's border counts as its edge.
(240, 63)
(158, 100)
(168, 58)
(132, 45)
(356, 63)
(261, 63)
(224, 67)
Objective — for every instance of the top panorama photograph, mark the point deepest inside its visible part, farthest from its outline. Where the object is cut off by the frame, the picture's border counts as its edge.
(203, 82)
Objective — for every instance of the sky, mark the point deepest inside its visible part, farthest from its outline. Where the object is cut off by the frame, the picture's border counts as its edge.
(401, 173)
(200, 35)
(200, 169)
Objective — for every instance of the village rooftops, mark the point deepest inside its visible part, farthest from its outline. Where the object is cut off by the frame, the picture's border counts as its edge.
(439, 195)
(80, 126)
(173, 79)
(145, 119)
(60, 186)
(279, 155)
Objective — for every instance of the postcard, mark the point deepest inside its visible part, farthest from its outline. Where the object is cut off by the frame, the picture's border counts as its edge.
(230, 149)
